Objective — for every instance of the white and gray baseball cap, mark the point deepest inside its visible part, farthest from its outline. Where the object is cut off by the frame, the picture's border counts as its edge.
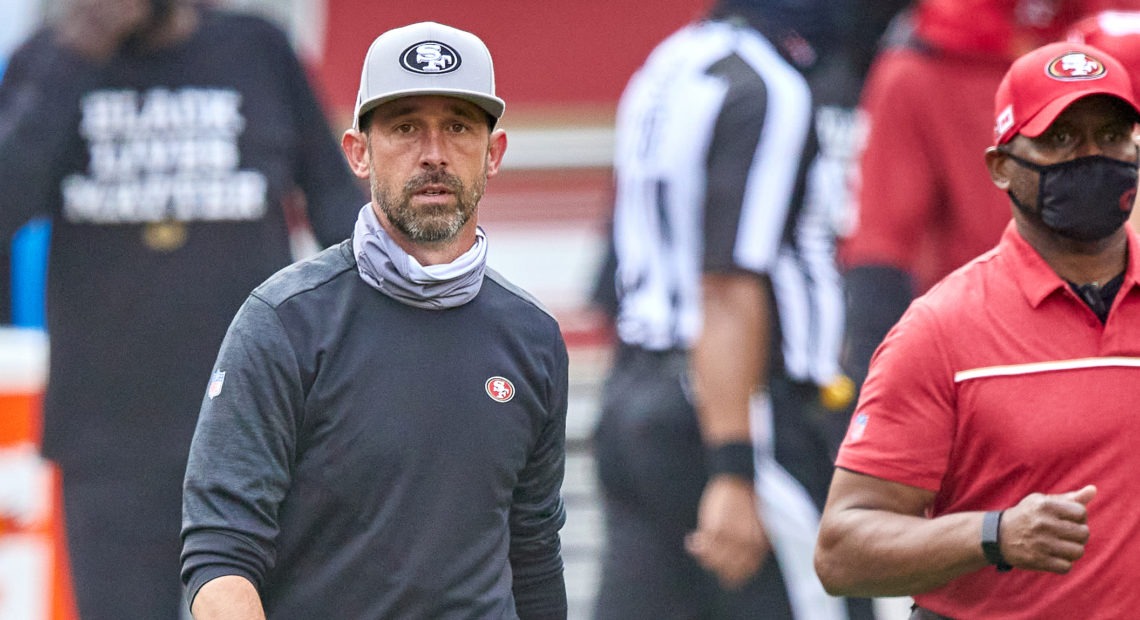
(427, 59)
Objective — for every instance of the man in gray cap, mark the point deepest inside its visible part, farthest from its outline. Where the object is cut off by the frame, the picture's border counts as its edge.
(383, 434)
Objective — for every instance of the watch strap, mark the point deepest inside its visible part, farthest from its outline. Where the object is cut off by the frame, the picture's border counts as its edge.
(737, 458)
(991, 547)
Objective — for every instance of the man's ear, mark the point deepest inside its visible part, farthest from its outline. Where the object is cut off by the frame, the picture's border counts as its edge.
(997, 162)
(355, 146)
(495, 150)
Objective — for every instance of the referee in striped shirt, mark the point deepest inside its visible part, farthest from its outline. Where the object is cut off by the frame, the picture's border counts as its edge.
(712, 452)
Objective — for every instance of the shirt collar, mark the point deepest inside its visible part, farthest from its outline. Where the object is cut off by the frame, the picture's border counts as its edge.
(1036, 278)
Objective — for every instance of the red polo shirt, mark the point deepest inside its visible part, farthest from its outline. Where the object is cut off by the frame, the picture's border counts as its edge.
(998, 383)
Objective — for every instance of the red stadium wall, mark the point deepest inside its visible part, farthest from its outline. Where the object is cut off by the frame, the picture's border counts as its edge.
(550, 57)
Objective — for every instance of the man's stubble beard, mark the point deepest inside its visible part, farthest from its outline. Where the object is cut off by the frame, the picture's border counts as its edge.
(430, 223)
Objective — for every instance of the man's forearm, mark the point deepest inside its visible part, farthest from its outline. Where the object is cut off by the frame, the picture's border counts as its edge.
(868, 552)
(728, 365)
(227, 598)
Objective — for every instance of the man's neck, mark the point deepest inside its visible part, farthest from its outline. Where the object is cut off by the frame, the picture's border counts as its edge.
(1080, 262)
(439, 253)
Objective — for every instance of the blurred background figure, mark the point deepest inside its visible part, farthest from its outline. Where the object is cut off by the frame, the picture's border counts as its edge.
(713, 447)
(162, 140)
(1118, 33)
(922, 201)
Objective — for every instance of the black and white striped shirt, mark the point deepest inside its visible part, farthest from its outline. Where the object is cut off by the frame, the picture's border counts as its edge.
(716, 170)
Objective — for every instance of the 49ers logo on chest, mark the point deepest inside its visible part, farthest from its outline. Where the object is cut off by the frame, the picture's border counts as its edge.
(500, 389)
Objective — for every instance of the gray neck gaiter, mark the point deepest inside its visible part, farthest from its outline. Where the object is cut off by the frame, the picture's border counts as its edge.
(389, 269)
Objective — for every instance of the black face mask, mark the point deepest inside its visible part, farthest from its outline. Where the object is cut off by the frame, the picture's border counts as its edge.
(1087, 198)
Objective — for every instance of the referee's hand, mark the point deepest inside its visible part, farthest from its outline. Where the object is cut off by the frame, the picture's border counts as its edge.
(729, 540)
(1047, 532)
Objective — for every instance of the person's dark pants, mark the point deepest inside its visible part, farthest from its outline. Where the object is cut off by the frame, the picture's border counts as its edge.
(650, 465)
(123, 542)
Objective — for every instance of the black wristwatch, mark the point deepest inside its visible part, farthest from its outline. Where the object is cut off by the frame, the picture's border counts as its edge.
(991, 524)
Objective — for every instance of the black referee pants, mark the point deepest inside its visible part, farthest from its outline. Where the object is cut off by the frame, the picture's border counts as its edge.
(650, 464)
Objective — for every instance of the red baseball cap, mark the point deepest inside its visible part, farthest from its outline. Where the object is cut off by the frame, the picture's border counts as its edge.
(1041, 84)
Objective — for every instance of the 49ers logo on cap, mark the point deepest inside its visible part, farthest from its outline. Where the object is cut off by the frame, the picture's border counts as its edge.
(500, 389)
(430, 57)
(1075, 66)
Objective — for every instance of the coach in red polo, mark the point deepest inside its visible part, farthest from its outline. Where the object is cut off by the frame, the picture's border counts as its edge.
(990, 467)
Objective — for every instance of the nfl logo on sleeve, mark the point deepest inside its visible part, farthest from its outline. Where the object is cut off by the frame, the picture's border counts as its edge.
(216, 381)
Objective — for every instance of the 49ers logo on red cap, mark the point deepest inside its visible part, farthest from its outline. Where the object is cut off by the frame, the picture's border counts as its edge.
(1075, 66)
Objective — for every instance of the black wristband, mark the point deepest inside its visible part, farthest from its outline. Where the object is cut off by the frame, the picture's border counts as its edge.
(991, 546)
(734, 458)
